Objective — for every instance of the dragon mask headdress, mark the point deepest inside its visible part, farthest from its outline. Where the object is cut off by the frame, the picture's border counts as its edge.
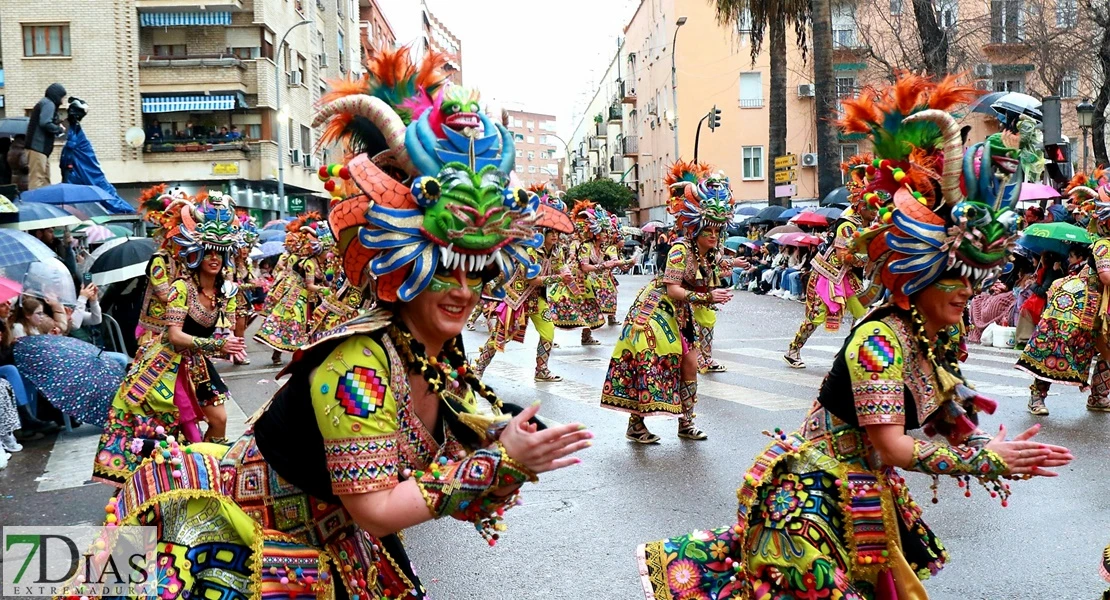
(303, 235)
(1091, 193)
(941, 208)
(700, 198)
(432, 173)
(212, 226)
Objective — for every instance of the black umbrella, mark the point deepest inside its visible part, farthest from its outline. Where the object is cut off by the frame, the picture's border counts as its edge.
(983, 103)
(121, 260)
(837, 196)
(767, 215)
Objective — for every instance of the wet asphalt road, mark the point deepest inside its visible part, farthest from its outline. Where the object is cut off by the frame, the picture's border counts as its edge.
(576, 534)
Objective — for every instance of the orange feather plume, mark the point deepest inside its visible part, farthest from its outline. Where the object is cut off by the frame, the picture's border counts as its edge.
(860, 112)
(302, 220)
(907, 92)
(950, 93)
(581, 206)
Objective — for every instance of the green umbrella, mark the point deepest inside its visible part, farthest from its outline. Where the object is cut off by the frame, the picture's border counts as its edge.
(1063, 232)
(734, 242)
(120, 230)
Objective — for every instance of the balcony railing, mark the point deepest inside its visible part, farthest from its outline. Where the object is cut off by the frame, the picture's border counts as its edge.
(595, 145)
(628, 92)
(751, 103)
(616, 164)
(195, 60)
(630, 146)
(615, 113)
(601, 129)
(207, 144)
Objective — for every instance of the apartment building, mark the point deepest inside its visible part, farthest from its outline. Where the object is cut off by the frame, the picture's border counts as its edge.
(375, 27)
(185, 71)
(629, 129)
(536, 146)
(436, 37)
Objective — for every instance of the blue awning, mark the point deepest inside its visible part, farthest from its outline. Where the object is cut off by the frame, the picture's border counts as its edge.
(164, 104)
(185, 19)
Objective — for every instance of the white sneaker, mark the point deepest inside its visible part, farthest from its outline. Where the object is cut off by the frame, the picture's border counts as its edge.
(8, 442)
(3, 459)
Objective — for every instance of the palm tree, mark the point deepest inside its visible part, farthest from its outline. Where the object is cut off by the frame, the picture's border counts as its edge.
(825, 92)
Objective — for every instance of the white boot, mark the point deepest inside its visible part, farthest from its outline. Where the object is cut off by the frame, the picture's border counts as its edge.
(8, 442)
(3, 459)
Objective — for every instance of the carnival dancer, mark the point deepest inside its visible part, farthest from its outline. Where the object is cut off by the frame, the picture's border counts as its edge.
(654, 370)
(379, 427)
(162, 211)
(246, 278)
(172, 385)
(1073, 327)
(286, 327)
(824, 512)
(574, 304)
(526, 297)
(835, 286)
(610, 242)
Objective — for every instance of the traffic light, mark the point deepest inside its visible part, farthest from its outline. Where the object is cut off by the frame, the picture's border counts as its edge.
(714, 118)
(1058, 162)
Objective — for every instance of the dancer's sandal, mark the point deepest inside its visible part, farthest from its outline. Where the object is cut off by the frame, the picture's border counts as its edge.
(687, 430)
(715, 367)
(546, 375)
(1098, 404)
(795, 363)
(639, 433)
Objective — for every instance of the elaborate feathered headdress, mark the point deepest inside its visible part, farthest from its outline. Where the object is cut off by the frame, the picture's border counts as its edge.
(212, 226)
(552, 211)
(699, 198)
(1091, 193)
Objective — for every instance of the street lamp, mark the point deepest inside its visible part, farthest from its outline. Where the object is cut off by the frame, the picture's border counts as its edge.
(674, 81)
(278, 113)
(1086, 113)
(566, 151)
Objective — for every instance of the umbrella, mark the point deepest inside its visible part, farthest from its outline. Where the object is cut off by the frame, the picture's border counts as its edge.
(120, 230)
(810, 218)
(651, 227)
(267, 250)
(1037, 191)
(837, 196)
(766, 215)
(48, 278)
(272, 236)
(630, 243)
(35, 215)
(798, 239)
(18, 248)
(781, 229)
(6, 205)
(1063, 232)
(73, 374)
(786, 215)
(97, 212)
(122, 260)
(629, 230)
(65, 193)
(746, 211)
(97, 234)
(275, 226)
(734, 242)
(983, 103)
(13, 126)
(9, 289)
(1039, 245)
(831, 213)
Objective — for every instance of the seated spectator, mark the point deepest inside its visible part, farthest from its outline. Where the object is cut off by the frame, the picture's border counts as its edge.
(86, 319)
(24, 396)
(235, 134)
(31, 318)
(154, 131)
(223, 135)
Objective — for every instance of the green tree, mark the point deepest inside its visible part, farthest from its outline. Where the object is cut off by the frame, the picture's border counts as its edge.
(611, 195)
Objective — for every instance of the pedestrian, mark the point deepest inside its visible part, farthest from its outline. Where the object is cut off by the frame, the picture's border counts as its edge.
(62, 247)
(17, 160)
(43, 127)
(662, 247)
(824, 512)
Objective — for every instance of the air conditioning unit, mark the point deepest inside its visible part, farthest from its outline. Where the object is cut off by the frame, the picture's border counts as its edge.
(984, 71)
(309, 161)
(806, 90)
(295, 155)
(295, 78)
(809, 159)
(323, 59)
(984, 85)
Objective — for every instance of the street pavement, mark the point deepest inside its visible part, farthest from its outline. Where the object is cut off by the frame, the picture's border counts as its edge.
(576, 534)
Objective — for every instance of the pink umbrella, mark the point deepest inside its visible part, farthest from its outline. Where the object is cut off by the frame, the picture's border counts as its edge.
(651, 227)
(810, 218)
(9, 289)
(98, 233)
(798, 239)
(1037, 191)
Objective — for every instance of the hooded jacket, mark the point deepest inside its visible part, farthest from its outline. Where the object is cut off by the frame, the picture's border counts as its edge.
(43, 125)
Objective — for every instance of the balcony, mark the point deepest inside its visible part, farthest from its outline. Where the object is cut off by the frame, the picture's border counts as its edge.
(627, 91)
(751, 103)
(213, 149)
(630, 146)
(601, 130)
(164, 74)
(601, 173)
(615, 113)
(594, 144)
(186, 13)
(616, 164)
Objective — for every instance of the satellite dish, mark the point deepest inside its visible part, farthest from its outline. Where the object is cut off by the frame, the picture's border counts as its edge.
(135, 137)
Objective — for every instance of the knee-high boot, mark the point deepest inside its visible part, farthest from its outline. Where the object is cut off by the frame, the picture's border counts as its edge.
(705, 351)
(485, 355)
(793, 356)
(1100, 388)
(543, 354)
(1038, 391)
(688, 395)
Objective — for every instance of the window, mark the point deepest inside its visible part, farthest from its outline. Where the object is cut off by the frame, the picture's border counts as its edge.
(519, 168)
(896, 8)
(553, 168)
(170, 50)
(751, 90)
(1009, 83)
(292, 133)
(531, 155)
(302, 67)
(948, 12)
(246, 53)
(306, 139)
(531, 139)
(519, 153)
(753, 162)
(519, 137)
(531, 168)
(531, 125)
(847, 151)
(844, 26)
(1069, 85)
(46, 40)
(845, 87)
(743, 26)
(267, 44)
(1006, 26)
(844, 38)
(342, 52)
(1066, 14)
(252, 131)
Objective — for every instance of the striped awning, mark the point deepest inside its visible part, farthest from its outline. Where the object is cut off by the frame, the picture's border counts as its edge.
(185, 19)
(165, 104)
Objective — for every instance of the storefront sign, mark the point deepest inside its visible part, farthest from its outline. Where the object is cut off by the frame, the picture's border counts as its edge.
(296, 205)
(225, 168)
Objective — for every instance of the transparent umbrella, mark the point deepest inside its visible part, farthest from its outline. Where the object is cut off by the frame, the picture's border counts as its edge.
(50, 279)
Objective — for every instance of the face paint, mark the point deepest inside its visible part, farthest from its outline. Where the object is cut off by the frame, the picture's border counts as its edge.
(949, 286)
(446, 283)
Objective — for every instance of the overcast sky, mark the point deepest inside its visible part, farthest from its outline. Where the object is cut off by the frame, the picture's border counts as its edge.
(546, 55)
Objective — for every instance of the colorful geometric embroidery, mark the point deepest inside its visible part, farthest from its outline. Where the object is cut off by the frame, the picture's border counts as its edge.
(361, 465)
(876, 354)
(360, 391)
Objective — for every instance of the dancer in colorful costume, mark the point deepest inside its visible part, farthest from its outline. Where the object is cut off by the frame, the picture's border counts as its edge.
(172, 385)
(163, 212)
(609, 244)
(1073, 328)
(245, 276)
(379, 427)
(654, 368)
(835, 285)
(574, 304)
(823, 512)
(287, 325)
(526, 297)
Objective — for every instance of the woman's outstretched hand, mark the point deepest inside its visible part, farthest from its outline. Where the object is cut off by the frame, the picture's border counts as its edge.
(1025, 457)
(545, 450)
